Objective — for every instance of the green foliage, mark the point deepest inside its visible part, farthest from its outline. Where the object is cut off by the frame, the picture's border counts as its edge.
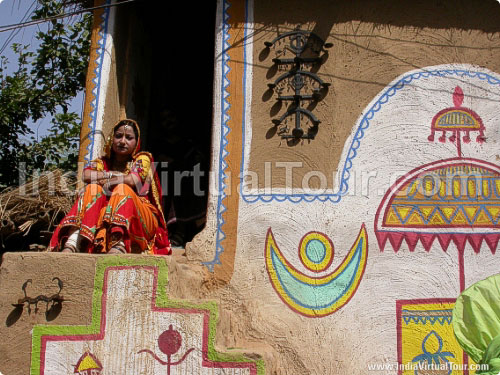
(43, 84)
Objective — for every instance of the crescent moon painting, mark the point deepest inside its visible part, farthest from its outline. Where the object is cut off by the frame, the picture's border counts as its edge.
(316, 296)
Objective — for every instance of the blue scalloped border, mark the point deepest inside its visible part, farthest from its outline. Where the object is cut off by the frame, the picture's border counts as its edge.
(96, 81)
(441, 319)
(356, 141)
(223, 153)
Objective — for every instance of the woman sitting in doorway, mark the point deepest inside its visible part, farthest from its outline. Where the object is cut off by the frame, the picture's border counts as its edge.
(120, 209)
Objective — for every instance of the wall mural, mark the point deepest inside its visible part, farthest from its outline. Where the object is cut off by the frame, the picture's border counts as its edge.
(419, 169)
(321, 295)
(88, 364)
(136, 329)
(425, 337)
(452, 200)
(459, 194)
(454, 193)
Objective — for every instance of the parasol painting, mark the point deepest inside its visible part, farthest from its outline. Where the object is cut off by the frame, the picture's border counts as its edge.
(455, 200)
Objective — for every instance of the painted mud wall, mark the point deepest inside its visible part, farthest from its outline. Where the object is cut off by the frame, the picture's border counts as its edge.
(110, 315)
(354, 245)
(373, 43)
(101, 89)
(355, 275)
(117, 84)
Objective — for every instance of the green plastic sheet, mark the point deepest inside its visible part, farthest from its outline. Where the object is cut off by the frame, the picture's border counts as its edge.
(476, 323)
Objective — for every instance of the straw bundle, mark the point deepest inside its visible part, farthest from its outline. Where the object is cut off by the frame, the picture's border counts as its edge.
(42, 201)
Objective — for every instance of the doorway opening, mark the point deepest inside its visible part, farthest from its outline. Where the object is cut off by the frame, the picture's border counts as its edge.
(181, 44)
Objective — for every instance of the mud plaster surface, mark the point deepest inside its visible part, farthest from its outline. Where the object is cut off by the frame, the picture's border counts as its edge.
(373, 43)
(251, 321)
(77, 274)
(187, 281)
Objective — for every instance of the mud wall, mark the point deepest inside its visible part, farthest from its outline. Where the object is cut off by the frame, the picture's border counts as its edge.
(338, 253)
(361, 237)
(372, 44)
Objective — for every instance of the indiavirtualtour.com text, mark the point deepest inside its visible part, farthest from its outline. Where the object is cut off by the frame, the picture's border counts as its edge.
(425, 366)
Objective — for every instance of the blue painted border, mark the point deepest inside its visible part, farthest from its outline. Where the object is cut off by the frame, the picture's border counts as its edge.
(94, 104)
(359, 134)
(223, 153)
(440, 318)
(225, 105)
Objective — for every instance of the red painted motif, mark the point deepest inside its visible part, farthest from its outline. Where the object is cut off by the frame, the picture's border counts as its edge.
(205, 363)
(457, 120)
(88, 364)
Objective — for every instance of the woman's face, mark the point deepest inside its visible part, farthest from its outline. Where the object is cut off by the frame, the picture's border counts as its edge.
(124, 140)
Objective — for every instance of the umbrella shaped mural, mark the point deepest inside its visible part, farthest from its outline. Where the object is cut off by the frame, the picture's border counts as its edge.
(452, 200)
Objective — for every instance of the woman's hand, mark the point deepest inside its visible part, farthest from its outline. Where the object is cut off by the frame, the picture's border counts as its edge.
(106, 186)
(99, 177)
(120, 178)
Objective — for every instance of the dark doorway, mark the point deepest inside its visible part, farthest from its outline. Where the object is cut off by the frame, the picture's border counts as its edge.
(182, 41)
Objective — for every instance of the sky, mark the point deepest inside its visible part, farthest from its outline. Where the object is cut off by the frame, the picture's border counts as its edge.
(13, 12)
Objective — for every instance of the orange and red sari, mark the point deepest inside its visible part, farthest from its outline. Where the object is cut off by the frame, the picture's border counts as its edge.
(137, 216)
